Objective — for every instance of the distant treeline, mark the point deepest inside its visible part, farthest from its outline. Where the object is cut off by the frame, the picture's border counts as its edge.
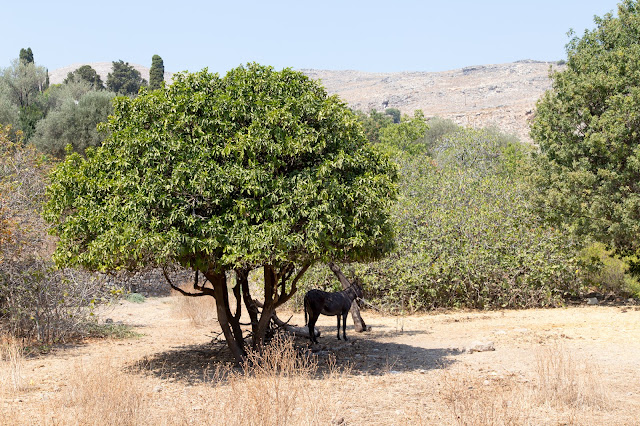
(54, 116)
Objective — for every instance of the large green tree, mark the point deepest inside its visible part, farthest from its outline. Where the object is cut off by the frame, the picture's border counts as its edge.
(156, 73)
(258, 169)
(588, 130)
(124, 79)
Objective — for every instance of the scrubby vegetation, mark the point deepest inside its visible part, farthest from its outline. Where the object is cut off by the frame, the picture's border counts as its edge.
(466, 234)
(37, 301)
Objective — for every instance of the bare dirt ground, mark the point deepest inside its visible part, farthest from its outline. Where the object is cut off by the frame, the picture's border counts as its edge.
(405, 370)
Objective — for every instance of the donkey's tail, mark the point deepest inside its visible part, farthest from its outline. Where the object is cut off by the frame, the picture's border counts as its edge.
(306, 314)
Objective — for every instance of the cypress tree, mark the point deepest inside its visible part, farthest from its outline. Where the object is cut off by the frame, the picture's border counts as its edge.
(156, 73)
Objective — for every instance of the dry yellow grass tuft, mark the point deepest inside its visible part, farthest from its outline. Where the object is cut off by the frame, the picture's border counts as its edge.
(472, 400)
(101, 394)
(200, 311)
(11, 366)
(565, 381)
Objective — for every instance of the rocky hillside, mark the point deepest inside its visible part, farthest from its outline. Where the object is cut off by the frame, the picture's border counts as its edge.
(502, 95)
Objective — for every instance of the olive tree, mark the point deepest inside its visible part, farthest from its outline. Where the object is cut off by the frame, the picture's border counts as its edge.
(588, 128)
(74, 123)
(21, 87)
(256, 169)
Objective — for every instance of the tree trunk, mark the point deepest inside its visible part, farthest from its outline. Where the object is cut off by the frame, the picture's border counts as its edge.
(268, 308)
(298, 331)
(242, 276)
(234, 341)
(358, 322)
(234, 319)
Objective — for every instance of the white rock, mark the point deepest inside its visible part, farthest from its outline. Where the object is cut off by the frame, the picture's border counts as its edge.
(480, 347)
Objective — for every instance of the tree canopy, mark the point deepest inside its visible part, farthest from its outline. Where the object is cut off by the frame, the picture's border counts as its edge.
(259, 168)
(74, 123)
(88, 74)
(26, 56)
(21, 87)
(588, 130)
(124, 79)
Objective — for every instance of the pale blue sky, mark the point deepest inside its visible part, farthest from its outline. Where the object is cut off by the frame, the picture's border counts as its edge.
(376, 36)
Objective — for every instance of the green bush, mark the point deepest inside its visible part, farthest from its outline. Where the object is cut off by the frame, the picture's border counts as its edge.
(439, 128)
(607, 273)
(37, 301)
(135, 298)
(466, 234)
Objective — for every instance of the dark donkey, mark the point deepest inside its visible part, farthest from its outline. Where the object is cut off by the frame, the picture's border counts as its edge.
(318, 302)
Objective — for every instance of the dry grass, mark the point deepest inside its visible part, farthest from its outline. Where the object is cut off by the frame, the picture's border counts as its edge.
(272, 386)
(279, 387)
(563, 388)
(200, 311)
(565, 381)
(552, 385)
(12, 378)
(284, 386)
(11, 366)
(472, 400)
(100, 394)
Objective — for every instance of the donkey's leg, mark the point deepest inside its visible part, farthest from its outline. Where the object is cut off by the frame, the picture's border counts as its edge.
(313, 317)
(344, 324)
(338, 317)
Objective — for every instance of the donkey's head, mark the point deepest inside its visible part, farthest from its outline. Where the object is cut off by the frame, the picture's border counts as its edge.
(357, 288)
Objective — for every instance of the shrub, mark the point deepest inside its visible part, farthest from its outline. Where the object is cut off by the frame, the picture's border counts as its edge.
(439, 128)
(36, 301)
(468, 240)
(466, 234)
(607, 273)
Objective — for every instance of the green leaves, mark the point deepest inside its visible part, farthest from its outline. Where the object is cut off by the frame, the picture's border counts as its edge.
(255, 167)
(466, 234)
(587, 128)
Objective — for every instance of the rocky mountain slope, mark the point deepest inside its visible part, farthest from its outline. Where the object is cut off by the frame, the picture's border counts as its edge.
(502, 95)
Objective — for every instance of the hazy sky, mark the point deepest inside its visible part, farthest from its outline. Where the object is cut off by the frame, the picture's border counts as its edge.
(372, 35)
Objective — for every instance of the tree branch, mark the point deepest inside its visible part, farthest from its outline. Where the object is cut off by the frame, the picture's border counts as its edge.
(286, 296)
(205, 291)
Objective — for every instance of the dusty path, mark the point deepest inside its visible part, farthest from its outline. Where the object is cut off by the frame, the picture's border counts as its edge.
(412, 369)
